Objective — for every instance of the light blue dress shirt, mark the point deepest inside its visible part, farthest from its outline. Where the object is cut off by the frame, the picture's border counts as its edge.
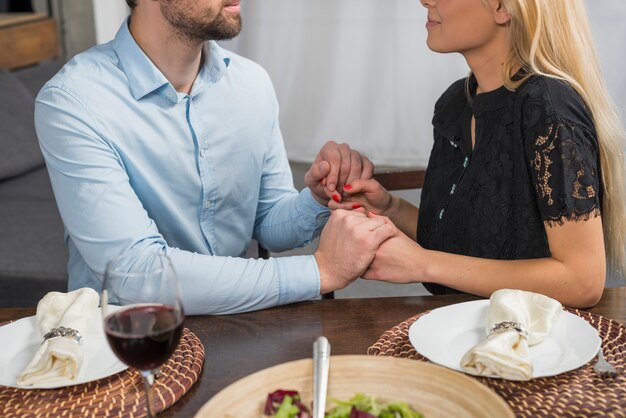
(135, 164)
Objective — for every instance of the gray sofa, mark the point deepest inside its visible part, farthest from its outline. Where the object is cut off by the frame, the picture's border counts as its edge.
(33, 254)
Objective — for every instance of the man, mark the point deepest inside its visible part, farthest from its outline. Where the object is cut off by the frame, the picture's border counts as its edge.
(162, 140)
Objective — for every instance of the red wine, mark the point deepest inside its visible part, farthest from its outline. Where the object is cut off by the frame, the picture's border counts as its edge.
(144, 337)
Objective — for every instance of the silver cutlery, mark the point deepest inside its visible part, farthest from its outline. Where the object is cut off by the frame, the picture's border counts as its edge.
(603, 367)
(321, 365)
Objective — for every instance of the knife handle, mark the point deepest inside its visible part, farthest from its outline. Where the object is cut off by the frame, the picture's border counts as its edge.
(321, 365)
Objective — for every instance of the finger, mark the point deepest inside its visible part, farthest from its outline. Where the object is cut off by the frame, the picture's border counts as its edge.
(368, 274)
(332, 205)
(352, 222)
(356, 167)
(374, 215)
(359, 186)
(346, 163)
(342, 213)
(373, 224)
(331, 154)
(383, 232)
(368, 168)
(317, 173)
(378, 222)
(373, 274)
(326, 148)
(346, 205)
(334, 195)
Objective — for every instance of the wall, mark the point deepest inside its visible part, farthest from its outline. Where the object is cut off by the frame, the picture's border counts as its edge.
(108, 16)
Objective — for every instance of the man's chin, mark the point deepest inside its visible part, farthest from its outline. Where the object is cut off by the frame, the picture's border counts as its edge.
(231, 28)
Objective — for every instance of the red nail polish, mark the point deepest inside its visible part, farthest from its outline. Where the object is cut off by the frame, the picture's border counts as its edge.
(347, 187)
(336, 198)
(356, 205)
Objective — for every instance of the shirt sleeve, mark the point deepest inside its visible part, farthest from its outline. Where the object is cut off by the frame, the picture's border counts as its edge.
(104, 217)
(562, 152)
(284, 220)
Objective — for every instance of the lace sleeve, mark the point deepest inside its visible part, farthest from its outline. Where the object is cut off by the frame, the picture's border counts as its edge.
(564, 167)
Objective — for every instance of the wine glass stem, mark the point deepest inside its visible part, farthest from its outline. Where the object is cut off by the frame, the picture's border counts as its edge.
(148, 380)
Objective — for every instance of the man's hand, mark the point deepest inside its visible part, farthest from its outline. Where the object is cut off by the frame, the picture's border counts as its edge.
(347, 246)
(398, 260)
(334, 166)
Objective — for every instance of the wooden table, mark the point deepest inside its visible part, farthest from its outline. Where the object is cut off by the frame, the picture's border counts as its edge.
(238, 345)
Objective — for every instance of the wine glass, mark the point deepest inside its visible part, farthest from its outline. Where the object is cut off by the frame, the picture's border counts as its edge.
(142, 312)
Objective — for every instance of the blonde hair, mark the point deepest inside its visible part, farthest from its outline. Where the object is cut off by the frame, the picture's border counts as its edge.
(553, 38)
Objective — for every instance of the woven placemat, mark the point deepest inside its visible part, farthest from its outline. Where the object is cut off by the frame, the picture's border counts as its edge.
(120, 395)
(578, 393)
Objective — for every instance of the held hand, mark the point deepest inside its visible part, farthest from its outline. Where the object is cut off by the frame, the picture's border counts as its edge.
(398, 260)
(347, 246)
(334, 166)
(368, 194)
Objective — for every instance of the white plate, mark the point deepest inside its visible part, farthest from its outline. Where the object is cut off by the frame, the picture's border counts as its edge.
(445, 334)
(20, 341)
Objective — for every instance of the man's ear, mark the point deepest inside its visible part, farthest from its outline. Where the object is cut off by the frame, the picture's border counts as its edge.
(500, 14)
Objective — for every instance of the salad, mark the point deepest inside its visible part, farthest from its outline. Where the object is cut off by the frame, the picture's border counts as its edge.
(288, 404)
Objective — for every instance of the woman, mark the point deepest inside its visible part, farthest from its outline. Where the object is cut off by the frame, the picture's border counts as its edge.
(525, 182)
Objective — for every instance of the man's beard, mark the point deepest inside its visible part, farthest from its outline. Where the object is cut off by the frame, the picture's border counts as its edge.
(194, 29)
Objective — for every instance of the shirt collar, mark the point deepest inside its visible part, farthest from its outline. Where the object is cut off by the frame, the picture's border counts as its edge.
(215, 64)
(144, 77)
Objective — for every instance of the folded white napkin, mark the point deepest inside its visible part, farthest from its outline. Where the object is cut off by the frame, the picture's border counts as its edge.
(505, 353)
(58, 360)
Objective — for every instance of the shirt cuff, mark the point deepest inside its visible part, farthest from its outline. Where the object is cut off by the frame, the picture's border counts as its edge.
(298, 278)
(310, 208)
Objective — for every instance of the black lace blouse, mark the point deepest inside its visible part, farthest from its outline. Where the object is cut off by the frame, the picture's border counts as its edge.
(535, 161)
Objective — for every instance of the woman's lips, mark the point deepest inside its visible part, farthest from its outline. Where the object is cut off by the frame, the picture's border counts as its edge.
(430, 23)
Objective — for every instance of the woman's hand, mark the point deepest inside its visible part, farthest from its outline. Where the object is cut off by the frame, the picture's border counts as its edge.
(373, 197)
(364, 193)
(573, 275)
(398, 260)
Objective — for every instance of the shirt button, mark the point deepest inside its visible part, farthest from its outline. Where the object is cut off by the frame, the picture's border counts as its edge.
(207, 205)
(203, 152)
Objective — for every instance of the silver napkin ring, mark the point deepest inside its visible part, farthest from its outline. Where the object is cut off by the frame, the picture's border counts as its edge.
(63, 332)
(508, 326)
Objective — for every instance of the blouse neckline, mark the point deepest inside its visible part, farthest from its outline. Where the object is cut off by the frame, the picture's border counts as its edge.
(487, 101)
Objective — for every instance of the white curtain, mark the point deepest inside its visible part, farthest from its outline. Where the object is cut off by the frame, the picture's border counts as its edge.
(607, 19)
(108, 16)
(355, 71)
(359, 71)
